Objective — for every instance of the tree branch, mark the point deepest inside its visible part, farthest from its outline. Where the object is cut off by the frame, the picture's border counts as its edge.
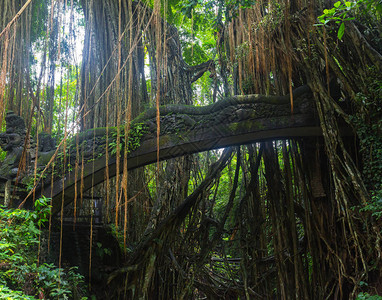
(200, 69)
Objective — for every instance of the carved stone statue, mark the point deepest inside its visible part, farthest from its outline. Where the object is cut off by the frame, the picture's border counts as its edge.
(15, 132)
(46, 143)
(12, 141)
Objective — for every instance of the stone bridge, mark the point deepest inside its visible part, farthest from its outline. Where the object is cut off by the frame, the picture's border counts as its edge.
(183, 130)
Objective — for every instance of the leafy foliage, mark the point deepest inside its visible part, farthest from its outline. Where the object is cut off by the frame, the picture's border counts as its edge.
(134, 138)
(368, 123)
(20, 274)
(339, 14)
(8, 294)
(342, 11)
(65, 92)
(367, 296)
(227, 9)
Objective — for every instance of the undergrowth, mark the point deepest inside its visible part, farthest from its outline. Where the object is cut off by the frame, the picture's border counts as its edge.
(21, 276)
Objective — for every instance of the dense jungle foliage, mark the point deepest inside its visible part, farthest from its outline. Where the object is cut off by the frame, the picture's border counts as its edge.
(290, 218)
(21, 273)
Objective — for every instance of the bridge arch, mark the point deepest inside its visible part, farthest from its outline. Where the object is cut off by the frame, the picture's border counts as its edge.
(185, 130)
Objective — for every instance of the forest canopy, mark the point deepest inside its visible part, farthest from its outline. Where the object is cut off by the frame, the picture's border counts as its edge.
(295, 217)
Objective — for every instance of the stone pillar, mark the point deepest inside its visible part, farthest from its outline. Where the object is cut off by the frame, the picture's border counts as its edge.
(7, 193)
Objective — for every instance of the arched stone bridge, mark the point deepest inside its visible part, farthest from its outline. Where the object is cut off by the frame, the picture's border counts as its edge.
(184, 130)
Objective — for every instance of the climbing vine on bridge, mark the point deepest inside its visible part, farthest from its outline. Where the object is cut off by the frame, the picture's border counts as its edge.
(134, 138)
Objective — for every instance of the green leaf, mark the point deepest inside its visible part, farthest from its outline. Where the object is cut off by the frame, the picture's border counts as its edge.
(362, 283)
(341, 31)
(379, 8)
(337, 4)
